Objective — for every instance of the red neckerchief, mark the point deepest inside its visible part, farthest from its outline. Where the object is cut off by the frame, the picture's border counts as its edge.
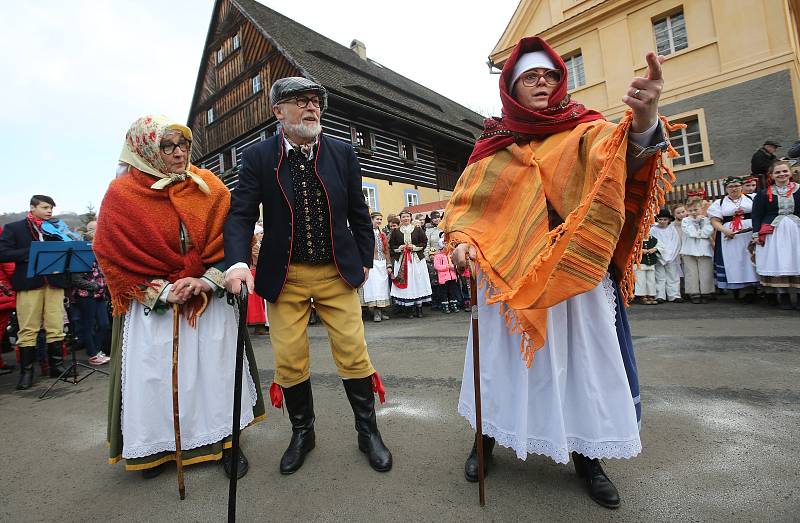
(790, 186)
(561, 115)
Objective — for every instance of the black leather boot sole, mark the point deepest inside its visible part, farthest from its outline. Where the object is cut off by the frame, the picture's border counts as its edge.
(362, 400)
(600, 488)
(471, 465)
(227, 463)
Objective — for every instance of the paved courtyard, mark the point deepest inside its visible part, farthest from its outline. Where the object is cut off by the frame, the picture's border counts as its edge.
(721, 418)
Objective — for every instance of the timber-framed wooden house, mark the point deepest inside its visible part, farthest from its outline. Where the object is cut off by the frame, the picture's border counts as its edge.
(412, 143)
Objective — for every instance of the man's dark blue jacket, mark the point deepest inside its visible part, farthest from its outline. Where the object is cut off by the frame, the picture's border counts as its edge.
(15, 244)
(264, 178)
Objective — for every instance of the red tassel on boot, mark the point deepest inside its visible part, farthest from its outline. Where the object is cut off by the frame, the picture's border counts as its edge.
(377, 386)
(276, 395)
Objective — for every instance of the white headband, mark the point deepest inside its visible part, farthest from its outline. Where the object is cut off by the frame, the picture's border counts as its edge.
(529, 61)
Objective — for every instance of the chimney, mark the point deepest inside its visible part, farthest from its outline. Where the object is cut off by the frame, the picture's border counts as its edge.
(359, 48)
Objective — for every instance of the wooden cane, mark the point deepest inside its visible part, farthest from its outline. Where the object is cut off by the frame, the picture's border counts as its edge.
(476, 376)
(176, 317)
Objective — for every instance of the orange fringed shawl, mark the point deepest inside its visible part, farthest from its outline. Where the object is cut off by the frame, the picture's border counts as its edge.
(499, 206)
(138, 232)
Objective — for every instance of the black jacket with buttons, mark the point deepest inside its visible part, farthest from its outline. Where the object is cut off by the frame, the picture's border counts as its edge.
(264, 178)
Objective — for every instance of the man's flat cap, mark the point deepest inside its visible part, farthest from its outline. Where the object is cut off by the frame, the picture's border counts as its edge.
(284, 88)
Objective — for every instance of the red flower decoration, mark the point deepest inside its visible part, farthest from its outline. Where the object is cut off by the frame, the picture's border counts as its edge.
(152, 135)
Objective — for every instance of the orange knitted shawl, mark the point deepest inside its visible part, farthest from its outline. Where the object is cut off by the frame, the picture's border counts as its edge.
(138, 232)
(499, 206)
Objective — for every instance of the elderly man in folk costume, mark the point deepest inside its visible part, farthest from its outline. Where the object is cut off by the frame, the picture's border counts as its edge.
(159, 245)
(553, 207)
(318, 243)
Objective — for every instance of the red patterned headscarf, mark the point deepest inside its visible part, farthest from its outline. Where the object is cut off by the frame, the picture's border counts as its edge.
(517, 121)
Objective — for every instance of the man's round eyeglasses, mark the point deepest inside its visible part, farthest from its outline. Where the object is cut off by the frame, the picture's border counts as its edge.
(169, 147)
(531, 78)
(302, 101)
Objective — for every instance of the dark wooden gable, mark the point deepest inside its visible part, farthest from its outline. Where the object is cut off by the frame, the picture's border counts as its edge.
(226, 85)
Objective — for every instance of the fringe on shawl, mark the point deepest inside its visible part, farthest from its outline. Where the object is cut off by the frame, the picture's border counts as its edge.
(660, 184)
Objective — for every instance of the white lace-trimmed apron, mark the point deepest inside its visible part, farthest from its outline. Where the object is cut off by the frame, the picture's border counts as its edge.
(780, 255)
(575, 396)
(376, 288)
(206, 366)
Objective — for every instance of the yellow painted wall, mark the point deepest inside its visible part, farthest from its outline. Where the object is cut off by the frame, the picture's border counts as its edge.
(730, 41)
(391, 198)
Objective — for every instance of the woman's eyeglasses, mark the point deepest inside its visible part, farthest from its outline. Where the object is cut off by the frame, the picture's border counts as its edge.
(169, 147)
(531, 78)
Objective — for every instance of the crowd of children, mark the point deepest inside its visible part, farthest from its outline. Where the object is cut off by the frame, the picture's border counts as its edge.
(700, 247)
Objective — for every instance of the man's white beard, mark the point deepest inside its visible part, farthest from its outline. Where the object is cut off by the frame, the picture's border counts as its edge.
(303, 131)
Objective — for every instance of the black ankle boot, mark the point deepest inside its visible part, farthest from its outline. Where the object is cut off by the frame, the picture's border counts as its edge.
(785, 301)
(27, 357)
(471, 466)
(55, 358)
(600, 488)
(227, 463)
(362, 400)
(300, 406)
(418, 311)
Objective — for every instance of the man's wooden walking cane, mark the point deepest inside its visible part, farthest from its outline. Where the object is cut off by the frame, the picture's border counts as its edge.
(476, 377)
(241, 340)
(176, 318)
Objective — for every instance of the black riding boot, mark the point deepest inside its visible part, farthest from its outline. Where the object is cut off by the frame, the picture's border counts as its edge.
(600, 488)
(55, 358)
(362, 400)
(27, 357)
(300, 405)
(471, 466)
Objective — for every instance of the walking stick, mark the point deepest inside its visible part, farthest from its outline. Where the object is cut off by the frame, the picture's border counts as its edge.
(237, 401)
(476, 377)
(176, 317)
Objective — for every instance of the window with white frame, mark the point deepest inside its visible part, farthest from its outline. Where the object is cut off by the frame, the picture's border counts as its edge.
(370, 196)
(233, 156)
(220, 55)
(670, 33)
(576, 77)
(256, 81)
(235, 41)
(688, 142)
(210, 115)
(221, 163)
(407, 151)
(362, 138)
(412, 198)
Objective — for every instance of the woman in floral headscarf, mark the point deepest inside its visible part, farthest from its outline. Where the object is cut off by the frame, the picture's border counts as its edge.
(553, 207)
(159, 244)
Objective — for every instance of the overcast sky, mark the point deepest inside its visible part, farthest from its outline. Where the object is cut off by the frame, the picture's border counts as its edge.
(78, 73)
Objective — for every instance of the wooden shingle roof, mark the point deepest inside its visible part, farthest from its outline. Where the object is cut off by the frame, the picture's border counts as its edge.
(365, 82)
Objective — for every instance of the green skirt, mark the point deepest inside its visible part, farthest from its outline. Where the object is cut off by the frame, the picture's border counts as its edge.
(210, 452)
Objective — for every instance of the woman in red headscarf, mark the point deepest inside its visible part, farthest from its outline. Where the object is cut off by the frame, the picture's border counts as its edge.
(553, 207)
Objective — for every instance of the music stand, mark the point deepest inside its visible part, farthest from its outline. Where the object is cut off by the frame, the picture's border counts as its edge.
(57, 258)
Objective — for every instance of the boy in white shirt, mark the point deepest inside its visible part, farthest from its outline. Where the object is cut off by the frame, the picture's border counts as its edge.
(697, 253)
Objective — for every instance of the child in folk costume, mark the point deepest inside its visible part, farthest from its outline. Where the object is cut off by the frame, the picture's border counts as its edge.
(411, 282)
(750, 186)
(668, 265)
(375, 291)
(527, 209)
(731, 219)
(448, 280)
(776, 233)
(697, 253)
(159, 245)
(645, 288)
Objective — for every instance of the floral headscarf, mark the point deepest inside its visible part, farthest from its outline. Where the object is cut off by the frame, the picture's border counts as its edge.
(141, 150)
